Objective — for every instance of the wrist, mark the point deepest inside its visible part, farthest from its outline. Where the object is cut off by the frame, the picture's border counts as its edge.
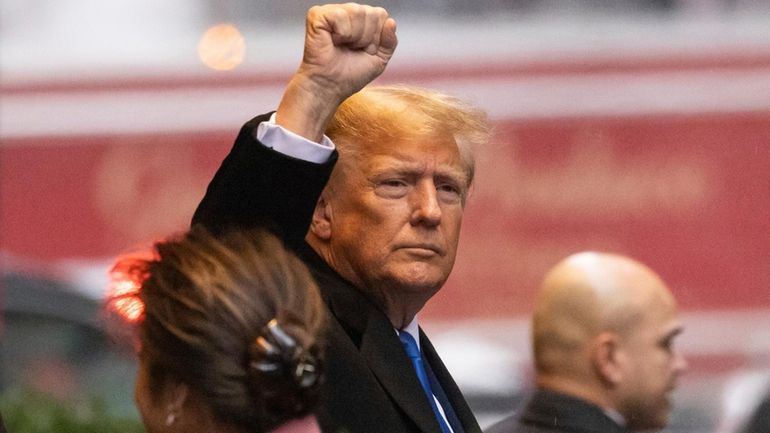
(306, 107)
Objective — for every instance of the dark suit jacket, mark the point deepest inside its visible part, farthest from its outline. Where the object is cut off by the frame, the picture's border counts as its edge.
(370, 384)
(759, 422)
(550, 412)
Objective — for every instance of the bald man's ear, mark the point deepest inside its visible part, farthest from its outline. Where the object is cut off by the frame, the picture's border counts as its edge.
(606, 358)
(321, 225)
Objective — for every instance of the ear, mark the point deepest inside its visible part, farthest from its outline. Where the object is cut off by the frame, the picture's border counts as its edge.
(606, 358)
(321, 225)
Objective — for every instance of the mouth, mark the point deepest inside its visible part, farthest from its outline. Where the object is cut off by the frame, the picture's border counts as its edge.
(423, 250)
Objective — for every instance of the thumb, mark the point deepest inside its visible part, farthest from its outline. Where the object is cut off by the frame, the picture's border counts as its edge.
(388, 39)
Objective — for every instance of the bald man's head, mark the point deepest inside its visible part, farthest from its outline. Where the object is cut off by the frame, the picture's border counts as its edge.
(602, 331)
(585, 294)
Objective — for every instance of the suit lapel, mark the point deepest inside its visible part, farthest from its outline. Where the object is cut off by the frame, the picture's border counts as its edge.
(379, 346)
(385, 356)
(450, 388)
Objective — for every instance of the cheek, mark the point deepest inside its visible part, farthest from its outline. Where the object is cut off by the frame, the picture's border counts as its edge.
(452, 220)
(365, 214)
(139, 388)
(142, 398)
(656, 375)
(371, 229)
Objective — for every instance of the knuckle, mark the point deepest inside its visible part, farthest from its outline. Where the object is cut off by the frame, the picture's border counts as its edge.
(356, 10)
(380, 11)
(339, 13)
(314, 11)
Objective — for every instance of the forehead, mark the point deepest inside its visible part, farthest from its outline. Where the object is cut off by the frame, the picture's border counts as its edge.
(416, 152)
(660, 320)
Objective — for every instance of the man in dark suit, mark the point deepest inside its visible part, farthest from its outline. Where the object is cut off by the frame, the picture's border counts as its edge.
(603, 332)
(379, 230)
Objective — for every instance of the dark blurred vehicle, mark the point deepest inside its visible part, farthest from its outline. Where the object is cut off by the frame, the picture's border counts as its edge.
(54, 344)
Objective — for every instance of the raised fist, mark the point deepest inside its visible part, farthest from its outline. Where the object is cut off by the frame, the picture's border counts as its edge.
(346, 47)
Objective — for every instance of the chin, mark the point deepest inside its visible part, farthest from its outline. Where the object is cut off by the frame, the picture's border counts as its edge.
(422, 279)
(409, 276)
(418, 285)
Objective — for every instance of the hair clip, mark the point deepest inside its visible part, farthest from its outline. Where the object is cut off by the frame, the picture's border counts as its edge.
(276, 353)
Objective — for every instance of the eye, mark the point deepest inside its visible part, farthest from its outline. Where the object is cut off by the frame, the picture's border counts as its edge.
(667, 344)
(392, 188)
(449, 192)
(393, 183)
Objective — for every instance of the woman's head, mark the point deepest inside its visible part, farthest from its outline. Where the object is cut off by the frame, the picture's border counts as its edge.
(229, 333)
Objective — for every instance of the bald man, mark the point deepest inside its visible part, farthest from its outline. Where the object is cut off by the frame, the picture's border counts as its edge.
(603, 333)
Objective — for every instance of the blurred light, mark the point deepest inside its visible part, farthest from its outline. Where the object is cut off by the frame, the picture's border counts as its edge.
(222, 47)
(124, 296)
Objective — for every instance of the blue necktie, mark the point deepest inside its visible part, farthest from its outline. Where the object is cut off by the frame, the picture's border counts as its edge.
(414, 354)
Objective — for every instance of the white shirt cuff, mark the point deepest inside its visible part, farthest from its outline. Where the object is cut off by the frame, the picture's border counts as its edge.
(284, 141)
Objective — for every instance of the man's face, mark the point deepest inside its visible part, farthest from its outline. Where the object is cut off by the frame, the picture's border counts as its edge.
(396, 211)
(652, 367)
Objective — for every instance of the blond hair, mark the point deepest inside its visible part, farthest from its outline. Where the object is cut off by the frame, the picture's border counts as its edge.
(393, 113)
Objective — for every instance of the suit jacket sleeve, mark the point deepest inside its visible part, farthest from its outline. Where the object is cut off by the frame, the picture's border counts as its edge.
(258, 187)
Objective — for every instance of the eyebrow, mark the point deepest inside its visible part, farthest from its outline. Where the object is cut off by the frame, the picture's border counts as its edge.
(673, 332)
(408, 168)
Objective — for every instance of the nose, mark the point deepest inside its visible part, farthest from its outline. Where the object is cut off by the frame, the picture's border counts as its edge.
(680, 363)
(426, 209)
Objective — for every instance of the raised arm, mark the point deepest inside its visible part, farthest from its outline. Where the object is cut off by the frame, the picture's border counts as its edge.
(346, 47)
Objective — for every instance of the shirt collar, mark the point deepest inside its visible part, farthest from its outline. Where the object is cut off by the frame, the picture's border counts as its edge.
(615, 416)
(413, 329)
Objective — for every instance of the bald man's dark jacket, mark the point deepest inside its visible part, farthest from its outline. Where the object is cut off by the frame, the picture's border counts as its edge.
(551, 412)
(759, 421)
(370, 385)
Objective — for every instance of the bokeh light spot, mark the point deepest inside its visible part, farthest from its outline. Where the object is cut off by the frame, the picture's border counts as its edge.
(222, 47)
(124, 295)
